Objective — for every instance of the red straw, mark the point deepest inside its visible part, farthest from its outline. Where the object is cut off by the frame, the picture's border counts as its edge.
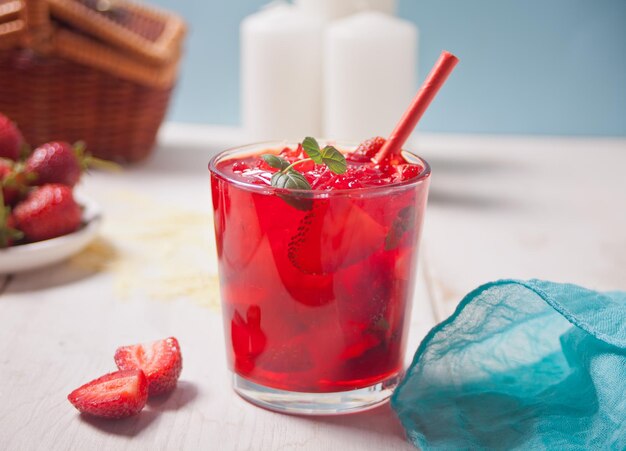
(413, 114)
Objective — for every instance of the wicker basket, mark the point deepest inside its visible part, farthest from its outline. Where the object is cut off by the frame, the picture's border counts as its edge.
(71, 72)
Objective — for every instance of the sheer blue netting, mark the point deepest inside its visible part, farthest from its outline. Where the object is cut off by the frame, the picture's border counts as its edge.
(521, 365)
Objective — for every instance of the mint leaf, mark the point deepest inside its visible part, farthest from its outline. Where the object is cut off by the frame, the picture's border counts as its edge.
(404, 222)
(312, 149)
(290, 180)
(334, 159)
(275, 162)
(297, 202)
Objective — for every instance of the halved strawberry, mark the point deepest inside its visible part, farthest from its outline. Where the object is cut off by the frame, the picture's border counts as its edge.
(115, 395)
(161, 361)
(334, 234)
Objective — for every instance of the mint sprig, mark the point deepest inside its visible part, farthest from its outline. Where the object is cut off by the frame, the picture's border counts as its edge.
(330, 156)
(288, 177)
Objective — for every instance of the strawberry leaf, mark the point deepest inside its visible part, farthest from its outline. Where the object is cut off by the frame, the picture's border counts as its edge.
(15, 234)
(334, 159)
(312, 149)
(290, 180)
(275, 162)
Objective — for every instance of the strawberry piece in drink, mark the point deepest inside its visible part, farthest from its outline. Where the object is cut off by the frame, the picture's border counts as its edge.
(333, 234)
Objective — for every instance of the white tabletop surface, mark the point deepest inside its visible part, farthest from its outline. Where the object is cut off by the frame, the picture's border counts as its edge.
(500, 207)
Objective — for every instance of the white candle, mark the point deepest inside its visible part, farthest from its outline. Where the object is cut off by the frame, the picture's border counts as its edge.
(281, 73)
(385, 6)
(369, 74)
(329, 10)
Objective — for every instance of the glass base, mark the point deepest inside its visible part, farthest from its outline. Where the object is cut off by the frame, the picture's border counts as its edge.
(301, 403)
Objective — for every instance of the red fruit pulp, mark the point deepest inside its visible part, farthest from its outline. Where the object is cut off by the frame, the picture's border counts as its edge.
(317, 293)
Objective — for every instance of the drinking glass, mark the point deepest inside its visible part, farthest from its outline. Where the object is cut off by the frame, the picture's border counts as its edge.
(316, 286)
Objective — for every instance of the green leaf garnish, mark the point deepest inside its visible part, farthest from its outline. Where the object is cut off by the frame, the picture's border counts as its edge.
(298, 202)
(290, 180)
(312, 149)
(404, 222)
(288, 177)
(275, 162)
(334, 159)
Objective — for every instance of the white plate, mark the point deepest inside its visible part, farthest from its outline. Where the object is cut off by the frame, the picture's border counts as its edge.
(42, 253)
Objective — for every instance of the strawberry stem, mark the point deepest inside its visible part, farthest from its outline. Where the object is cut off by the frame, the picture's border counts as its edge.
(88, 161)
(4, 216)
(7, 234)
(93, 162)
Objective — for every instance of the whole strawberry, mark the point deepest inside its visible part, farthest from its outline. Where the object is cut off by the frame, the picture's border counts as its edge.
(11, 139)
(55, 162)
(48, 211)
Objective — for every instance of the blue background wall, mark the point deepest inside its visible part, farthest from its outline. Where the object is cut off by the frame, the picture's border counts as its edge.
(527, 66)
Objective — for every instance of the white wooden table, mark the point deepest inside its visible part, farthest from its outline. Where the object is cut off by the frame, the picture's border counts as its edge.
(499, 207)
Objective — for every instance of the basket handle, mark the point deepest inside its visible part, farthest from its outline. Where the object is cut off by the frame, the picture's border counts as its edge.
(11, 33)
(36, 15)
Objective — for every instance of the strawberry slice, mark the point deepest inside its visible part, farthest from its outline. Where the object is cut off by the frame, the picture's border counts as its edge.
(247, 338)
(161, 361)
(332, 235)
(115, 395)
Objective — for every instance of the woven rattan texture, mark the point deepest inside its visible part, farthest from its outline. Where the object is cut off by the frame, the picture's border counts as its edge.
(84, 81)
(53, 99)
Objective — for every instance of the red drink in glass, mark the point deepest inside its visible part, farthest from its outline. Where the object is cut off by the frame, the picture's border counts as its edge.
(317, 285)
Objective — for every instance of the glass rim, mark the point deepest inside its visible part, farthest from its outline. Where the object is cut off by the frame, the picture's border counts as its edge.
(314, 193)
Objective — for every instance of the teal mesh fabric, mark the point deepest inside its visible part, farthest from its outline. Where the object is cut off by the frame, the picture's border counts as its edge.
(528, 365)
